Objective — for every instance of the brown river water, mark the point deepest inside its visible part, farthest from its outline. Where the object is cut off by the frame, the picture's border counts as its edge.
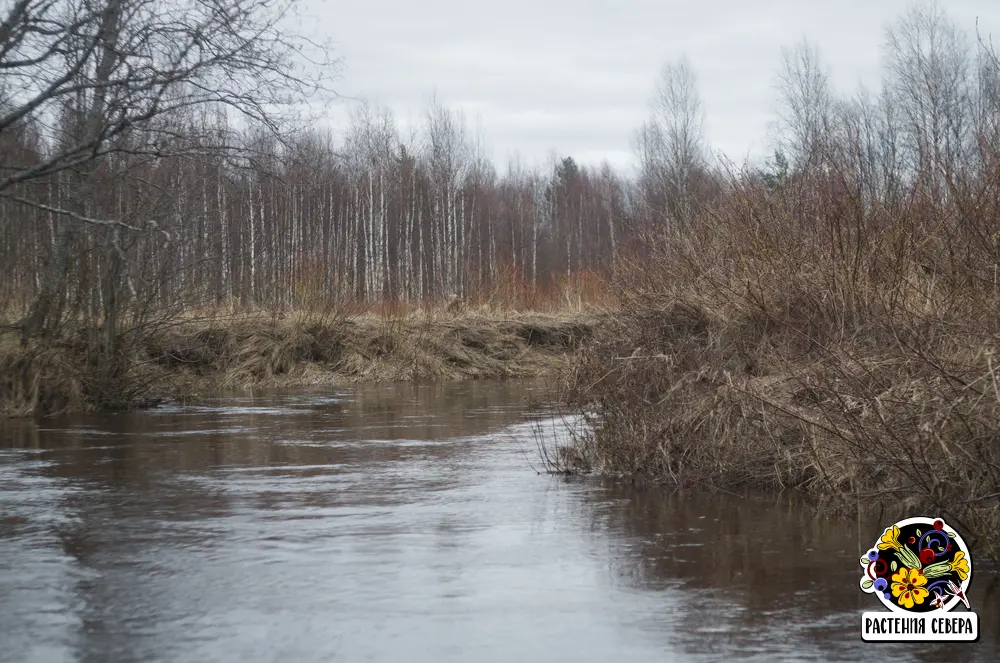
(404, 523)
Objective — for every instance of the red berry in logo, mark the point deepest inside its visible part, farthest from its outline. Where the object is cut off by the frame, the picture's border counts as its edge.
(912, 540)
(927, 556)
(881, 568)
(938, 524)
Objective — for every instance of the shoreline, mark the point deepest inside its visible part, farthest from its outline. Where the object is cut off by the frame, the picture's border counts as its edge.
(689, 394)
(670, 401)
(185, 360)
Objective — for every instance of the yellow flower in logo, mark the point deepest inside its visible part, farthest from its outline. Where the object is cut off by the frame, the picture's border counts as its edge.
(890, 539)
(960, 565)
(908, 587)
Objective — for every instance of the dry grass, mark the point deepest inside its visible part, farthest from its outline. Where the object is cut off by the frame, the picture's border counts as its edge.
(67, 374)
(250, 351)
(825, 357)
(194, 355)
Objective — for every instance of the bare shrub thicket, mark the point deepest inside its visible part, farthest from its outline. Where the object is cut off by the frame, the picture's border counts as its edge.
(830, 323)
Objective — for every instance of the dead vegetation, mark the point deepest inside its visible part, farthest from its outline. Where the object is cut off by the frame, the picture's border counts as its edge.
(189, 357)
(827, 322)
(820, 357)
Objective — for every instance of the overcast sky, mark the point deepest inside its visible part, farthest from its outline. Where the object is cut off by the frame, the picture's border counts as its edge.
(576, 76)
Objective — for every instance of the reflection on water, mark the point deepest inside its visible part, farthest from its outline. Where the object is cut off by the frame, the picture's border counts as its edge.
(402, 523)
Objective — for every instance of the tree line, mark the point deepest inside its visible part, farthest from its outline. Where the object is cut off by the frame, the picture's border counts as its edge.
(310, 220)
(153, 158)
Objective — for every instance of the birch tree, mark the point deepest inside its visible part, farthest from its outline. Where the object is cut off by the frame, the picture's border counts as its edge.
(446, 154)
(99, 76)
(805, 104)
(928, 65)
(671, 144)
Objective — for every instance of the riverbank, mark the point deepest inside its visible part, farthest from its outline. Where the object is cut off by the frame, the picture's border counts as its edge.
(185, 359)
(746, 357)
(889, 421)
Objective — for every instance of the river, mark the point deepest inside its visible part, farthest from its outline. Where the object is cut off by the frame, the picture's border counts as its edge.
(403, 523)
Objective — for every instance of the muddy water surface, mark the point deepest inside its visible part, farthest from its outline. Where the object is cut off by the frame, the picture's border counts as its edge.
(402, 523)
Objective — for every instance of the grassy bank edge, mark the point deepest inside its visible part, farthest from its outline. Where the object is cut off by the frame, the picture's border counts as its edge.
(189, 358)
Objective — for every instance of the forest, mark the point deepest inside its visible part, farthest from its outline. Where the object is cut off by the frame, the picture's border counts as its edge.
(306, 221)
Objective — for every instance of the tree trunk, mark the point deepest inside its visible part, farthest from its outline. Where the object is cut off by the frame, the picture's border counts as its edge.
(45, 313)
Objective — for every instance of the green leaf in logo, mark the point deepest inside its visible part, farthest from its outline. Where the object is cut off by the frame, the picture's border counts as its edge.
(893, 566)
(867, 584)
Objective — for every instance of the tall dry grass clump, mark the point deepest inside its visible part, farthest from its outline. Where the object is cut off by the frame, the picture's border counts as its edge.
(71, 373)
(800, 337)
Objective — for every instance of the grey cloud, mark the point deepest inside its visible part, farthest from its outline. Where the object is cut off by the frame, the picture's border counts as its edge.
(576, 76)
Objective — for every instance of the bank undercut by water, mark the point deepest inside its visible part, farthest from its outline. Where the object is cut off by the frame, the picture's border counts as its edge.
(182, 360)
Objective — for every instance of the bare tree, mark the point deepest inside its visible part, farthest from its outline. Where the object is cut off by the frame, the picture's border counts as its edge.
(372, 145)
(987, 107)
(100, 76)
(671, 145)
(872, 137)
(805, 103)
(928, 63)
(447, 153)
